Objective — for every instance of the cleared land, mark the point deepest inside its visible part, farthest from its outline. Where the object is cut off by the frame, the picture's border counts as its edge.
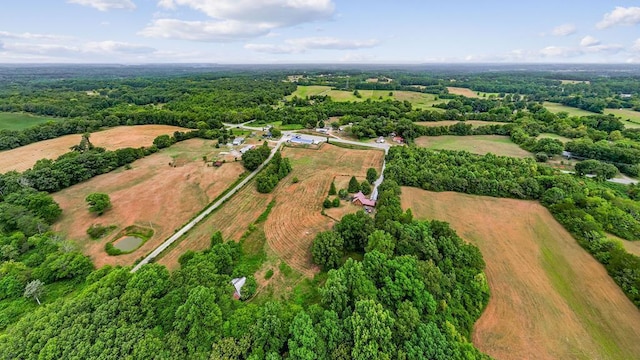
(477, 144)
(474, 123)
(151, 194)
(296, 217)
(556, 108)
(417, 99)
(549, 298)
(19, 121)
(24, 157)
(462, 91)
(631, 246)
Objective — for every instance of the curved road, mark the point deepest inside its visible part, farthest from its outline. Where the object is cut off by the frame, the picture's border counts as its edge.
(286, 135)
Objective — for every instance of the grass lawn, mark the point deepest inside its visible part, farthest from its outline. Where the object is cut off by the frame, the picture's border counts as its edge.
(556, 108)
(19, 121)
(478, 144)
(554, 136)
(630, 118)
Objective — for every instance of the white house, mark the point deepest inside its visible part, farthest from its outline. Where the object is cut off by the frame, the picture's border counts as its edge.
(238, 141)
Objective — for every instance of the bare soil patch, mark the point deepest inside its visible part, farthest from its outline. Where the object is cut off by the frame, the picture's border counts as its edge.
(23, 158)
(152, 194)
(462, 91)
(549, 298)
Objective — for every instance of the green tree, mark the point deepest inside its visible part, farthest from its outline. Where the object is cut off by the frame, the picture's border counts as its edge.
(381, 241)
(199, 320)
(343, 193)
(327, 204)
(327, 249)
(98, 202)
(163, 141)
(365, 188)
(354, 185)
(332, 189)
(372, 175)
(303, 341)
(336, 202)
(372, 331)
(275, 132)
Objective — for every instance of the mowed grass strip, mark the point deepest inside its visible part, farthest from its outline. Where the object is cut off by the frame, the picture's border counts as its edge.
(477, 144)
(474, 123)
(550, 299)
(630, 118)
(21, 121)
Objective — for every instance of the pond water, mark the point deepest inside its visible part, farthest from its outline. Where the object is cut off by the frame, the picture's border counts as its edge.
(128, 243)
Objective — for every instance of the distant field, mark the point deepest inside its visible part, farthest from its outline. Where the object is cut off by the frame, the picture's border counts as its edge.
(574, 82)
(296, 217)
(24, 157)
(630, 118)
(477, 144)
(553, 136)
(550, 299)
(152, 194)
(418, 100)
(462, 91)
(19, 121)
(556, 108)
(474, 123)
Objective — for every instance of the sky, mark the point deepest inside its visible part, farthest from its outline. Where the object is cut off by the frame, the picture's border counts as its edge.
(319, 31)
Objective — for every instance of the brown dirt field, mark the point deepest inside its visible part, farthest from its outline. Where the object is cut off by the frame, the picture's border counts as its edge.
(549, 298)
(151, 194)
(462, 91)
(474, 123)
(23, 158)
(295, 218)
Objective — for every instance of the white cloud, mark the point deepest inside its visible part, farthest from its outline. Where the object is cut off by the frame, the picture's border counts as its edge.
(274, 12)
(41, 49)
(559, 51)
(237, 19)
(589, 41)
(293, 46)
(564, 30)
(620, 16)
(214, 31)
(636, 45)
(106, 5)
(117, 47)
(30, 36)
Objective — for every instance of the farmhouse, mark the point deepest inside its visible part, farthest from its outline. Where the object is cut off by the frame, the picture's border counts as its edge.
(238, 141)
(361, 200)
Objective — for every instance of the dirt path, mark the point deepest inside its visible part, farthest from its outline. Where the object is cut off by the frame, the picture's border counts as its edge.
(549, 298)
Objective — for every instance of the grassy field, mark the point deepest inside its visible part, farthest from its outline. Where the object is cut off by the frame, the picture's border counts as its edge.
(630, 118)
(549, 298)
(417, 100)
(296, 216)
(556, 108)
(631, 246)
(477, 144)
(24, 157)
(152, 194)
(19, 121)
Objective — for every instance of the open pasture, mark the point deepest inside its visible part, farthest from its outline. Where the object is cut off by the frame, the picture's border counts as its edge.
(477, 144)
(474, 123)
(24, 157)
(550, 299)
(20, 121)
(152, 194)
(296, 216)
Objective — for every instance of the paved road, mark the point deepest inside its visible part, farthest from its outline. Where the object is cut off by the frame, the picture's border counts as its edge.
(206, 212)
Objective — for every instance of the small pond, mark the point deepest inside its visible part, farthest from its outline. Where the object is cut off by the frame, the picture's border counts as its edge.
(128, 243)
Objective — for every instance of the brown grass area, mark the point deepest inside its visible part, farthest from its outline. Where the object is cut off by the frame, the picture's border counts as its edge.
(462, 91)
(631, 246)
(549, 298)
(151, 194)
(474, 123)
(295, 219)
(23, 158)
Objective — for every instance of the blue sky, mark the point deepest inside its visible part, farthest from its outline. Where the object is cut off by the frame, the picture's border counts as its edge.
(319, 31)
